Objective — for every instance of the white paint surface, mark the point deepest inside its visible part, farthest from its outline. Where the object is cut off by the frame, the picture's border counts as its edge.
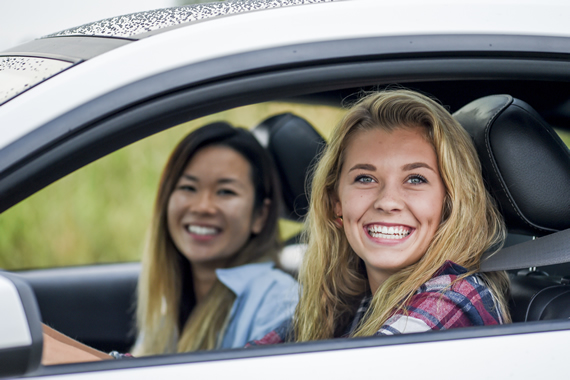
(24, 20)
(14, 331)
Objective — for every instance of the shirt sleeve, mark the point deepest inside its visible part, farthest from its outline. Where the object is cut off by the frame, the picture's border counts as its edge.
(279, 335)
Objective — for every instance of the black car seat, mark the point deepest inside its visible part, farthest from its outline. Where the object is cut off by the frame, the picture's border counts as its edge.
(294, 145)
(527, 169)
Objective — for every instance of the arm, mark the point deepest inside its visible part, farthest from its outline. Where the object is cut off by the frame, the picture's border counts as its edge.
(60, 349)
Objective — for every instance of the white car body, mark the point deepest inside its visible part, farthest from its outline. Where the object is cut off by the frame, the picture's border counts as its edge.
(529, 350)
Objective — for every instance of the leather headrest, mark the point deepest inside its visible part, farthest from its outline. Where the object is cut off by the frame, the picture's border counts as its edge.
(525, 164)
(294, 145)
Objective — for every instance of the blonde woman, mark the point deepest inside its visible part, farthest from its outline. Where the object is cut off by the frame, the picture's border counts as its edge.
(398, 222)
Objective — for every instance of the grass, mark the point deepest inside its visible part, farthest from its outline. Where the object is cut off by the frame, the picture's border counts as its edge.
(100, 213)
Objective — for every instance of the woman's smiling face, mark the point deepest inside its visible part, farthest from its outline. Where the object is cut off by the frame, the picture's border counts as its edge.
(391, 195)
(210, 212)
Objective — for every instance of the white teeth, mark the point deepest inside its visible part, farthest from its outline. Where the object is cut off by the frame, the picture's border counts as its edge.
(199, 230)
(383, 232)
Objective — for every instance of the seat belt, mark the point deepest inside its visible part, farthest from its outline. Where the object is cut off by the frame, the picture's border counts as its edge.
(547, 250)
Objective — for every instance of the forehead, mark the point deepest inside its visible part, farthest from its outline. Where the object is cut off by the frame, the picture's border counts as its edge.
(398, 145)
(218, 160)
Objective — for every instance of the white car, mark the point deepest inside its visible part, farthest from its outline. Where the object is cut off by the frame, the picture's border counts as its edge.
(73, 97)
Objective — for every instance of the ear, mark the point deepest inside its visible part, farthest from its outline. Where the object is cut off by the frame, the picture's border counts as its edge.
(260, 217)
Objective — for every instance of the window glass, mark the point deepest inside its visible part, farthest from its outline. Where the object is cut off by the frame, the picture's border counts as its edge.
(100, 213)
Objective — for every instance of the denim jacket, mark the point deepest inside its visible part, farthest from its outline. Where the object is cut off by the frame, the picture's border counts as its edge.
(265, 298)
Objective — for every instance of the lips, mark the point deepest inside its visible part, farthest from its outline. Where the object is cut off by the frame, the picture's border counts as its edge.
(393, 232)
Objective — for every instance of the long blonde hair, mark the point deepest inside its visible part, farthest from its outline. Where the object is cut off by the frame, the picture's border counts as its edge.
(333, 277)
(168, 318)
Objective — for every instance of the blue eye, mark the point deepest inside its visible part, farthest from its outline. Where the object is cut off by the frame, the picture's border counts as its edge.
(416, 179)
(364, 179)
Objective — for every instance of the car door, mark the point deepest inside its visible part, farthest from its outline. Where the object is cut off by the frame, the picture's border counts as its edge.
(454, 68)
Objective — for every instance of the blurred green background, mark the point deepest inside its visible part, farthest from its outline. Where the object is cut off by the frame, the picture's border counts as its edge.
(100, 213)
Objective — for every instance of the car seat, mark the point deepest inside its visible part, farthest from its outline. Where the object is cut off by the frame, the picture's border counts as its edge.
(526, 167)
(294, 145)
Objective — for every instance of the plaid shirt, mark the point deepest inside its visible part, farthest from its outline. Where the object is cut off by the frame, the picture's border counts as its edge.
(441, 303)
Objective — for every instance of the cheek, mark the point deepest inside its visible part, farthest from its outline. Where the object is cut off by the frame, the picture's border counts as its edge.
(172, 207)
(240, 212)
(355, 205)
(429, 210)
(171, 214)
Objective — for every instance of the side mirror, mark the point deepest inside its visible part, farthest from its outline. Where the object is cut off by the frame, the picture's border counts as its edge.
(21, 339)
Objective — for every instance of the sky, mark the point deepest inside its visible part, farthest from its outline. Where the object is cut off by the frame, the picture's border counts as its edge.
(24, 20)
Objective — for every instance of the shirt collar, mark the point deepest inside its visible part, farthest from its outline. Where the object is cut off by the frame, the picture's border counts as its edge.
(237, 278)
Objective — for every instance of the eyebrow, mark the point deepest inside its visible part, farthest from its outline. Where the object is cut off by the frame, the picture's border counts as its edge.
(416, 165)
(407, 167)
(363, 167)
(220, 181)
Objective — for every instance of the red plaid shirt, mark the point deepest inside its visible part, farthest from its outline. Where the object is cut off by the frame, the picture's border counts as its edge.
(441, 303)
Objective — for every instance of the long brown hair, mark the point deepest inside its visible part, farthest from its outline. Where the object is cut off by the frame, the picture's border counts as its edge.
(332, 276)
(168, 318)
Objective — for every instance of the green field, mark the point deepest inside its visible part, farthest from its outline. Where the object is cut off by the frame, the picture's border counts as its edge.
(100, 213)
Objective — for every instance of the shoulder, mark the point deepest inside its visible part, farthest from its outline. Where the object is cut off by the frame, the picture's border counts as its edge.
(456, 299)
(448, 300)
(265, 298)
(451, 282)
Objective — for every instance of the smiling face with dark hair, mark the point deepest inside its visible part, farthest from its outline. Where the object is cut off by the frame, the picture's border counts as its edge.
(390, 195)
(211, 212)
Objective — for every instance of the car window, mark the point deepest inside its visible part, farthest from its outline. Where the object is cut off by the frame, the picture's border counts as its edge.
(100, 213)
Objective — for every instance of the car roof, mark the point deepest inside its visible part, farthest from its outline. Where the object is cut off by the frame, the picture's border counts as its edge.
(147, 23)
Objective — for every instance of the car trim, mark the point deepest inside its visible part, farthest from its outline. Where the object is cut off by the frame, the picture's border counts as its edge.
(70, 49)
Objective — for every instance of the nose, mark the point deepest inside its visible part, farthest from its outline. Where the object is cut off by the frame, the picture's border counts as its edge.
(389, 199)
(204, 203)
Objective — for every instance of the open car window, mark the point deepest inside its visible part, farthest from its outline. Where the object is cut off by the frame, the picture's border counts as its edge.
(100, 213)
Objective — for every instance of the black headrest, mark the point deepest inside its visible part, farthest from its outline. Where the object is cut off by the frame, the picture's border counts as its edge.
(294, 145)
(525, 164)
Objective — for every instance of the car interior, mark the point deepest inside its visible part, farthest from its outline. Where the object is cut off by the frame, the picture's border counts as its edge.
(526, 166)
